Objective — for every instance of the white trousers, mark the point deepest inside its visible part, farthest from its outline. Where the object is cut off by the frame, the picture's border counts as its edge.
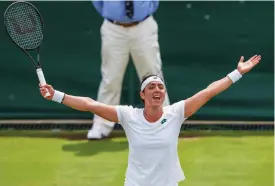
(141, 41)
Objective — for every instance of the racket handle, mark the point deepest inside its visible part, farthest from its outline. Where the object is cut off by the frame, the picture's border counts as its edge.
(42, 79)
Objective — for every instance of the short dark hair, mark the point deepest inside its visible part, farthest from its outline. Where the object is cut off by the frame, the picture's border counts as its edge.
(144, 77)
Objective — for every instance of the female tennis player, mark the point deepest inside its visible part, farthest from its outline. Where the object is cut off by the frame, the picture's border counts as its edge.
(153, 132)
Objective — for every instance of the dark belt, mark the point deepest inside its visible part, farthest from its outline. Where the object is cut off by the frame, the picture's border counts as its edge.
(127, 24)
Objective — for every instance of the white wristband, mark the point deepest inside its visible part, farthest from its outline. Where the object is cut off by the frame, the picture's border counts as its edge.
(234, 76)
(58, 96)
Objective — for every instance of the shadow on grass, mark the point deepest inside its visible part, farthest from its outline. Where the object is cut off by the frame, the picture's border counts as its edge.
(83, 147)
(90, 148)
(81, 135)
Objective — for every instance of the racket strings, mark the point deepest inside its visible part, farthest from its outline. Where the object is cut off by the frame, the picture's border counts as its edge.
(24, 25)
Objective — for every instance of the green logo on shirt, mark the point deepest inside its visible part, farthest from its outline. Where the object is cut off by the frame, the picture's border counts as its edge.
(163, 121)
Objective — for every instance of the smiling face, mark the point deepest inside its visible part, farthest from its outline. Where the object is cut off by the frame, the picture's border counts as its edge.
(153, 94)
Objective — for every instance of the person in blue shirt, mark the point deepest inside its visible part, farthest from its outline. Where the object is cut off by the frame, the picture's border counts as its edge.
(128, 29)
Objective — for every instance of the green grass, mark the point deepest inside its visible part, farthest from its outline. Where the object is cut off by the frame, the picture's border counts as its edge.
(36, 158)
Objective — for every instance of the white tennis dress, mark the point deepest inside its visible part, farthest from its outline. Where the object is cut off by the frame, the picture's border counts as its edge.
(153, 156)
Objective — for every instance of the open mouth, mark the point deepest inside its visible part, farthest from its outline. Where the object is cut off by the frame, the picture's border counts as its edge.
(156, 97)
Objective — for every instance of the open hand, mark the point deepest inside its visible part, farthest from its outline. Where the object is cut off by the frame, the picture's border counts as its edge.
(244, 67)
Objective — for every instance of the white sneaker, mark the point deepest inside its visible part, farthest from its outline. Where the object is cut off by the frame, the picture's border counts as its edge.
(94, 134)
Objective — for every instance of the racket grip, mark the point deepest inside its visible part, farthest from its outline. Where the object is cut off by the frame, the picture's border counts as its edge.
(42, 79)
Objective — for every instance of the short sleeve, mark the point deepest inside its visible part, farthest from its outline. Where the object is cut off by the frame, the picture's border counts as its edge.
(178, 108)
(123, 113)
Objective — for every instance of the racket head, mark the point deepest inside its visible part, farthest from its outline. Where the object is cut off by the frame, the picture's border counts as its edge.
(24, 25)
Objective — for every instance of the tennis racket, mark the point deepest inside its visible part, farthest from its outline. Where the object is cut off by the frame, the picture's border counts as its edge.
(24, 25)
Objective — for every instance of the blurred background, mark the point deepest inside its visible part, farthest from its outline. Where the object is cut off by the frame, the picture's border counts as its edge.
(200, 42)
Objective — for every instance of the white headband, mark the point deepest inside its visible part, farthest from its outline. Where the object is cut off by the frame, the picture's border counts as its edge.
(149, 80)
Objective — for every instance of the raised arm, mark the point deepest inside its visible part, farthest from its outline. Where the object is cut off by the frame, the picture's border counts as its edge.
(194, 103)
(86, 104)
